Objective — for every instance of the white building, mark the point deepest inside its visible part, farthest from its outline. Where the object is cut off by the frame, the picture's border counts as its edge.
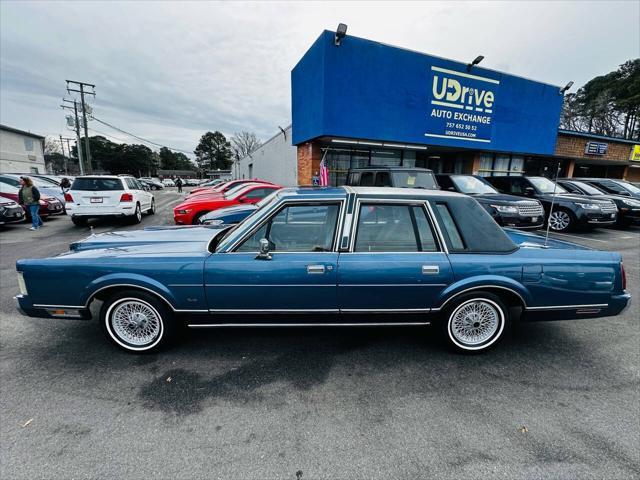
(276, 161)
(20, 151)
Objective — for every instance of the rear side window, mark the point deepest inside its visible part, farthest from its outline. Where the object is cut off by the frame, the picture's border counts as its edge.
(393, 228)
(97, 184)
(468, 228)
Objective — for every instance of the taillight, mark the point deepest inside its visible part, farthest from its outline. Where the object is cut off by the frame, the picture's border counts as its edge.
(624, 276)
(68, 197)
(126, 197)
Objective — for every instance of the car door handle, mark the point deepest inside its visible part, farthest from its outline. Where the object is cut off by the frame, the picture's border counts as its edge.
(430, 269)
(315, 269)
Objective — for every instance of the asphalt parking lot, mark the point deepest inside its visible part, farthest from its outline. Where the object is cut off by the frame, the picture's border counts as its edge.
(555, 400)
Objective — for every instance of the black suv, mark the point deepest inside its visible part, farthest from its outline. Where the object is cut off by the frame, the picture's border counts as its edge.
(402, 177)
(506, 210)
(614, 186)
(569, 211)
(628, 208)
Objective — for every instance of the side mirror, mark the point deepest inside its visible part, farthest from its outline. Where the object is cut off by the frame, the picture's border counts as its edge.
(242, 200)
(264, 250)
(529, 191)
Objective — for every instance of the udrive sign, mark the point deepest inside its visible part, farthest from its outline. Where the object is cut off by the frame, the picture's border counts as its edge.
(461, 105)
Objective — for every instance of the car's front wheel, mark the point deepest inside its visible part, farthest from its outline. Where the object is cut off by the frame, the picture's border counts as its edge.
(79, 222)
(136, 321)
(561, 220)
(475, 322)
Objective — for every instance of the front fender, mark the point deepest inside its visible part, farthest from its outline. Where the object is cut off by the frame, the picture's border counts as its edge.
(484, 281)
(130, 280)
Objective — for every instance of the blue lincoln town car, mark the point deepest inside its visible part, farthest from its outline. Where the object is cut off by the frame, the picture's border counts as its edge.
(327, 256)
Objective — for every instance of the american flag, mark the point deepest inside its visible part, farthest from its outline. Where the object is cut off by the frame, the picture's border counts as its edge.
(324, 173)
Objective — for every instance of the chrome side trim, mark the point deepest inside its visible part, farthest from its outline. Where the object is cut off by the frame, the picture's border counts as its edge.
(393, 284)
(270, 285)
(72, 307)
(570, 307)
(385, 310)
(185, 285)
(274, 310)
(270, 325)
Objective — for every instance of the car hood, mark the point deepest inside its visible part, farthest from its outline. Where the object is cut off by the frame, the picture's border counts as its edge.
(532, 240)
(570, 198)
(195, 237)
(501, 199)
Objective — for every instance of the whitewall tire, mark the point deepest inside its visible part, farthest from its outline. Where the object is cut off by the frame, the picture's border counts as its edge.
(475, 322)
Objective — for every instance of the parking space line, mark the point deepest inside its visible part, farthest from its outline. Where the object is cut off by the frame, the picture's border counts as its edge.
(577, 236)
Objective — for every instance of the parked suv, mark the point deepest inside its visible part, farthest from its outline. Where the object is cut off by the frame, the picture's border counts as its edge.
(628, 208)
(569, 211)
(506, 210)
(402, 177)
(614, 186)
(104, 196)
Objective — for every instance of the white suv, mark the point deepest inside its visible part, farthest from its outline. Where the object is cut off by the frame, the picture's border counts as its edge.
(99, 196)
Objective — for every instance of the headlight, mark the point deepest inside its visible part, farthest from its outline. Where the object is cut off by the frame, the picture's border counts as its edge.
(183, 212)
(589, 206)
(21, 284)
(631, 202)
(505, 208)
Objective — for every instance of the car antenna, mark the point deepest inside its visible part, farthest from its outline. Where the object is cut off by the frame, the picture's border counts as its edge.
(91, 229)
(553, 200)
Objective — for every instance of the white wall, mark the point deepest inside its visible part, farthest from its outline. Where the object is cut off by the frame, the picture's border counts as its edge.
(276, 161)
(16, 158)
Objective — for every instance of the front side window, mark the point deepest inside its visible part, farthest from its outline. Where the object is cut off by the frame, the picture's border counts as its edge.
(28, 144)
(544, 185)
(393, 228)
(297, 228)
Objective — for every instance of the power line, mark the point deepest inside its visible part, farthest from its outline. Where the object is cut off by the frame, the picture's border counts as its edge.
(139, 138)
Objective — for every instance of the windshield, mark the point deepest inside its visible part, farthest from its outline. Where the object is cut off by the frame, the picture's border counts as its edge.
(628, 186)
(235, 191)
(468, 184)
(414, 179)
(544, 185)
(589, 189)
(97, 184)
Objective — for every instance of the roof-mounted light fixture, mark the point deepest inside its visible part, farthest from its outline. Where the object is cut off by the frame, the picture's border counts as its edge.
(341, 32)
(565, 88)
(475, 62)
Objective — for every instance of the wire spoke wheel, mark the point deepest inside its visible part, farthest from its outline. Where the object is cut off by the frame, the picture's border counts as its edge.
(135, 322)
(476, 322)
(559, 220)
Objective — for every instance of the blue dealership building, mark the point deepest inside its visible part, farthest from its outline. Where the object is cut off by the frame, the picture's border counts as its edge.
(357, 102)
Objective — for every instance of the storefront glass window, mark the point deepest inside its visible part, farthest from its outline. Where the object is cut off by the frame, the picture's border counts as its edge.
(517, 165)
(486, 164)
(387, 158)
(501, 165)
(409, 158)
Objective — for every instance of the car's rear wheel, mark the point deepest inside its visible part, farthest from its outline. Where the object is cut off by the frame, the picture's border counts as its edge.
(152, 209)
(137, 321)
(79, 222)
(561, 220)
(137, 215)
(475, 322)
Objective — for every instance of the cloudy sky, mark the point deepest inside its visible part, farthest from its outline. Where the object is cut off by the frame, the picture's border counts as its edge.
(171, 71)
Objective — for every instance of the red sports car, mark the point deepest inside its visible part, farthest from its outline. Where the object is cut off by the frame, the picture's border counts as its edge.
(195, 206)
(226, 186)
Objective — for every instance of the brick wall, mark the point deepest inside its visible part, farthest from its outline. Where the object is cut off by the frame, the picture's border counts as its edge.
(574, 147)
(309, 158)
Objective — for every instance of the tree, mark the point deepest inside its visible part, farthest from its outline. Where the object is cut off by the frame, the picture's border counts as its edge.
(174, 160)
(214, 151)
(607, 105)
(51, 145)
(244, 143)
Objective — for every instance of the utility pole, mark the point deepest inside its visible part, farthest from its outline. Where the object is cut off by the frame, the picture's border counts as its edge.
(77, 128)
(64, 158)
(66, 166)
(82, 85)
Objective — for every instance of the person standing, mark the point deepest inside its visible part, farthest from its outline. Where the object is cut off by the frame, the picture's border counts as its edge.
(29, 196)
(179, 184)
